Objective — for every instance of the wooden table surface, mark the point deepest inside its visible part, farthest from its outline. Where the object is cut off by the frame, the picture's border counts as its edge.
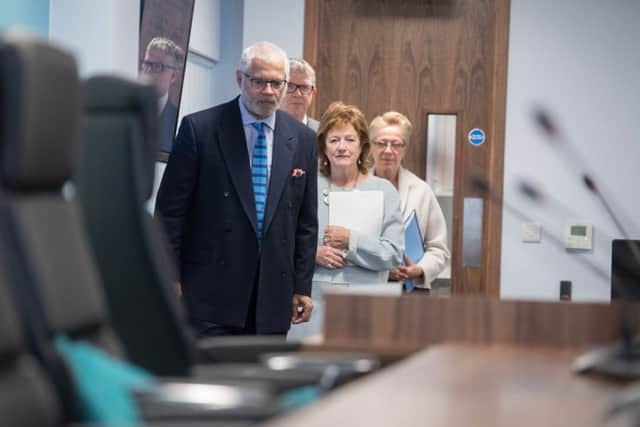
(467, 385)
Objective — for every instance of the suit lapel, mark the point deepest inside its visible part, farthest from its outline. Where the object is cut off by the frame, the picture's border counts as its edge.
(234, 151)
(281, 164)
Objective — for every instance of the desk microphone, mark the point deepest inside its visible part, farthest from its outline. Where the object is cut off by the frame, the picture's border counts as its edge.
(558, 141)
(537, 196)
(624, 361)
(531, 192)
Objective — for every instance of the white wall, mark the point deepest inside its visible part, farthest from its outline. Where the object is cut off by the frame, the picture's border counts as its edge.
(222, 28)
(231, 27)
(205, 29)
(102, 34)
(278, 21)
(580, 59)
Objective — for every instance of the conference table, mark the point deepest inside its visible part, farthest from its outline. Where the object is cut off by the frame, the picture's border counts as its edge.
(488, 363)
(467, 385)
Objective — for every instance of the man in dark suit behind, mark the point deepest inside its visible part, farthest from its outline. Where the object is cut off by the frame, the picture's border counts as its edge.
(245, 266)
(301, 88)
(162, 65)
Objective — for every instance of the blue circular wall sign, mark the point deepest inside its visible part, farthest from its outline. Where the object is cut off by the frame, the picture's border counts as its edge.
(476, 136)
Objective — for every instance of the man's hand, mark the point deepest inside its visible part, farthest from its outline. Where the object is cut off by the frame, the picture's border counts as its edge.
(301, 308)
(336, 237)
(329, 257)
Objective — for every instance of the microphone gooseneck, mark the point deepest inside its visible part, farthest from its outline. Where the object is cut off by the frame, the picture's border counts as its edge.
(481, 186)
(624, 361)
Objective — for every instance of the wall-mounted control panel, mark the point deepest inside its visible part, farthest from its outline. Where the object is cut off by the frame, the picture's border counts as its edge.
(578, 236)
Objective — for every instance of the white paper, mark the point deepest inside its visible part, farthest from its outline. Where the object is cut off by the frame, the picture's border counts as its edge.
(361, 211)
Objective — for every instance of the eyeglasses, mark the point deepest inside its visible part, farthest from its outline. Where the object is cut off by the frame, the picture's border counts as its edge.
(155, 67)
(304, 89)
(261, 84)
(394, 145)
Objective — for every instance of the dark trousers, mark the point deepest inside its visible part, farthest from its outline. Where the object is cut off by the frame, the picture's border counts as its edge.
(204, 328)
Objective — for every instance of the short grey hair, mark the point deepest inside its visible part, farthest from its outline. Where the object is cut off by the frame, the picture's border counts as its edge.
(168, 47)
(267, 52)
(299, 65)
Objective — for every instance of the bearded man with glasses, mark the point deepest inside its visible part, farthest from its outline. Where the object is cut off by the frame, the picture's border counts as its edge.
(301, 88)
(239, 202)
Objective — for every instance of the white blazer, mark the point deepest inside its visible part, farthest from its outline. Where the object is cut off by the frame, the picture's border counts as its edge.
(415, 194)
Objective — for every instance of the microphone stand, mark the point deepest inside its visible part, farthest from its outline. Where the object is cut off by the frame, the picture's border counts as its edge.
(622, 361)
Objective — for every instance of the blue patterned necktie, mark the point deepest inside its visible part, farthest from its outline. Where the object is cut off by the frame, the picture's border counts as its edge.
(259, 174)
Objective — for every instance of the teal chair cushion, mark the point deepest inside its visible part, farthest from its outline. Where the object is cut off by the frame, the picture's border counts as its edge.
(103, 383)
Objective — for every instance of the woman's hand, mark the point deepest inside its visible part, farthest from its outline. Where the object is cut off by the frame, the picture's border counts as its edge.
(329, 257)
(404, 272)
(336, 237)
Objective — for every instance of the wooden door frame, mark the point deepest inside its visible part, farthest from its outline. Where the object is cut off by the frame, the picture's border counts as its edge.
(492, 221)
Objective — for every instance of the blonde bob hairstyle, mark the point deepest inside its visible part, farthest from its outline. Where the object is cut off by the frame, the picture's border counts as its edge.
(340, 114)
(391, 118)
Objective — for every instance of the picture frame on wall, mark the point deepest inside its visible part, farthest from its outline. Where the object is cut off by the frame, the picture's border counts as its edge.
(165, 28)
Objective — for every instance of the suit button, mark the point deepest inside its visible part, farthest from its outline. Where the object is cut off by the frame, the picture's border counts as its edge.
(283, 274)
(221, 262)
(226, 194)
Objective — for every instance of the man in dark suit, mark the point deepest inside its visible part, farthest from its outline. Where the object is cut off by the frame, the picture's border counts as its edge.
(162, 65)
(245, 263)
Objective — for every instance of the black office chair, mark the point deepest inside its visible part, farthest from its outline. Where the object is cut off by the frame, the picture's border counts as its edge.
(114, 179)
(27, 397)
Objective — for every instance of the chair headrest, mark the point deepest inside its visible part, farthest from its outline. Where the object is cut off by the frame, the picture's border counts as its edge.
(105, 95)
(39, 114)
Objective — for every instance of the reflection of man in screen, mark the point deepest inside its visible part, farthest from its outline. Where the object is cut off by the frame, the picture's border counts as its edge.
(163, 61)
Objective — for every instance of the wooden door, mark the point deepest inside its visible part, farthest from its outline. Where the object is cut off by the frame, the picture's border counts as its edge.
(422, 57)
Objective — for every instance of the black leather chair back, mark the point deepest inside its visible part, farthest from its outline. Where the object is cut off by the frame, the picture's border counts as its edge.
(114, 181)
(49, 263)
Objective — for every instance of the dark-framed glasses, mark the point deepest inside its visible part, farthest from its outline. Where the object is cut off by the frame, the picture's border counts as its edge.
(261, 84)
(304, 89)
(155, 67)
(394, 145)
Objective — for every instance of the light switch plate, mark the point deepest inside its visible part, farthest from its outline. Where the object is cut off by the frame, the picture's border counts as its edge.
(531, 232)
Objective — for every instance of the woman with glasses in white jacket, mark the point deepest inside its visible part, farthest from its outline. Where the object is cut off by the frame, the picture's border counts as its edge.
(390, 134)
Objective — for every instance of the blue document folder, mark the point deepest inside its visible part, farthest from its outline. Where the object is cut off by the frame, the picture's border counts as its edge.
(414, 248)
